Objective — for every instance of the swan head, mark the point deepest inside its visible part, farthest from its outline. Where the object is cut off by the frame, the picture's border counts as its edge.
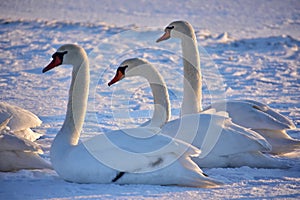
(130, 67)
(68, 54)
(178, 29)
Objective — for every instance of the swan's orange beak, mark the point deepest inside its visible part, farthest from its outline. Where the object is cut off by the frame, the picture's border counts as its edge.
(54, 63)
(119, 75)
(165, 36)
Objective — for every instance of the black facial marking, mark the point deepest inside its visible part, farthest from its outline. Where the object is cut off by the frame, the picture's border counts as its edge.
(170, 27)
(60, 55)
(122, 69)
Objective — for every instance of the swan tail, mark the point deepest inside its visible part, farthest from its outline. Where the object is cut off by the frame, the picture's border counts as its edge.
(194, 176)
(200, 183)
(280, 141)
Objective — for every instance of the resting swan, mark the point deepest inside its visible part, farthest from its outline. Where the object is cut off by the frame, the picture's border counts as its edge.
(247, 113)
(223, 144)
(21, 121)
(18, 153)
(116, 157)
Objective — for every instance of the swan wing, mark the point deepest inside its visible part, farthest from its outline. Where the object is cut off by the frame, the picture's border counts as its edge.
(250, 115)
(21, 118)
(11, 142)
(215, 134)
(127, 152)
(279, 117)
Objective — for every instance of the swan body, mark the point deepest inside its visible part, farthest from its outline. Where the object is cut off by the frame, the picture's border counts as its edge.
(248, 113)
(116, 156)
(223, 144)
(18, 153)
(263, 120)
(21, 121)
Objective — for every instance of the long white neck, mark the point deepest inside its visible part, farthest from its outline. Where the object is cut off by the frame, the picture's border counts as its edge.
(70, 132)
(192, 95)
(162, 108)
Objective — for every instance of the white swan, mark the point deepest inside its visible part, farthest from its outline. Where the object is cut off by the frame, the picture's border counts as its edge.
(248, 113)
(21, 121)
(140, 67)
(116, 156)
(18, 153)
(223, 144)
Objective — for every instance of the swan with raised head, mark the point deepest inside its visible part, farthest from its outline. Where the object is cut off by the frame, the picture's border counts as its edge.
(247, 113)
(223, 144)
(141, 67)
(18, 153)
(21, 121)
(116, 157)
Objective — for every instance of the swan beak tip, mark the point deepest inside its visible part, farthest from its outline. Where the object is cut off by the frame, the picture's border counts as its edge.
(165, 36)
(54, 63)
(119, 76)
(159, 40)
(45, 70)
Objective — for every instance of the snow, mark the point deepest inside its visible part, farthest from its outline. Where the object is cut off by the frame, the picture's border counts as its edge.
(250, 47)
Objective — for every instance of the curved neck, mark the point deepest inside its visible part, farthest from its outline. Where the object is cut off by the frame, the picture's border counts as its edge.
(192, 93)
(70, 132)
(162, 108)
(161, 113)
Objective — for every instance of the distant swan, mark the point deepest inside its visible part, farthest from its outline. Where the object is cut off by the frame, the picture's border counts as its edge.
(223, 143)
(21, 121)
(116, 157)
(247, 113)
(18, 153)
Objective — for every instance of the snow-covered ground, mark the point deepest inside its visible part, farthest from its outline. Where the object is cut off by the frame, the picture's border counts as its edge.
(254, 44)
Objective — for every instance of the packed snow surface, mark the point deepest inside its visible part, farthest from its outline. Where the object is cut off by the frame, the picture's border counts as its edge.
(248, 49)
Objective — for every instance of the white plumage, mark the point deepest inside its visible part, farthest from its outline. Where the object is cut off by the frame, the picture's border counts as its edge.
(21, 121)
(18, 153)
(116, 156)
(247, 113)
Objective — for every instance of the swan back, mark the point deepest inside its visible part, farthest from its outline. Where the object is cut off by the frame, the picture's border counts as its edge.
(21, 121)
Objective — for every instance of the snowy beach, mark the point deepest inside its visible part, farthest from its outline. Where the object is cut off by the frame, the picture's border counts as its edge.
(250, 47)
